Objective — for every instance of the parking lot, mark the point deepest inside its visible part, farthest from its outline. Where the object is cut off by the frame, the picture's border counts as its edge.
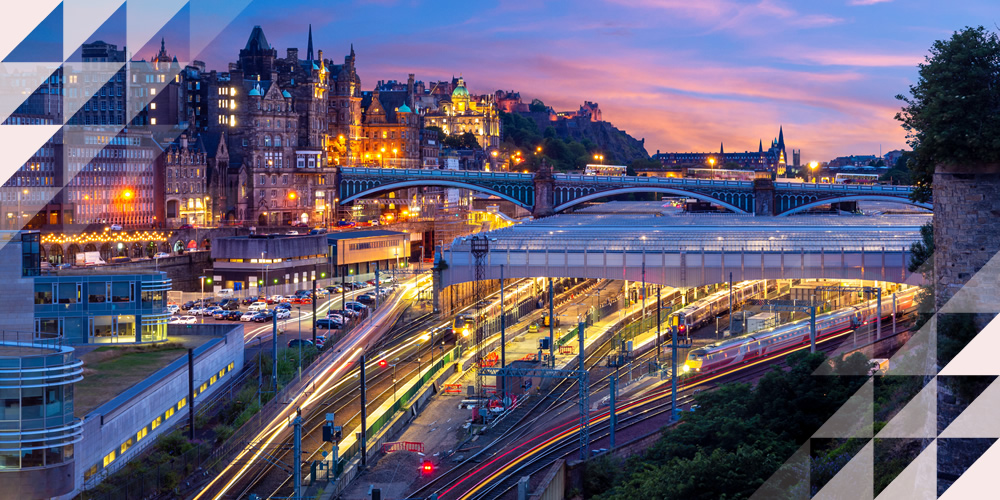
(294, 312)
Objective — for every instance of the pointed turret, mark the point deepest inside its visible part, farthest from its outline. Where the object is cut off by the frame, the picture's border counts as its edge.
(722, 150)
(760, 149)
(781, 138)
(309, 46)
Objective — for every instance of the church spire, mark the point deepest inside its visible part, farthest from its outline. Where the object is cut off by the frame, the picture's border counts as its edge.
(781, 138)
(722, 150)
(760, 148)
(309, 48)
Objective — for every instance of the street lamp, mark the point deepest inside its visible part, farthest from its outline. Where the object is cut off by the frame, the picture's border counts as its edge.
(599, 158)
(300, 339)
(711, 162)
(202, 278)
(395, 160)
(812, 170)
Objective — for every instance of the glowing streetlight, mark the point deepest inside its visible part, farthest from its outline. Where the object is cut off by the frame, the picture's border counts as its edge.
(711, 162)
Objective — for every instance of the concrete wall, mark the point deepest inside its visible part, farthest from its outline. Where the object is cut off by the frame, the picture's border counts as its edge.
(183, 269)
(107, 427)
(553, 486)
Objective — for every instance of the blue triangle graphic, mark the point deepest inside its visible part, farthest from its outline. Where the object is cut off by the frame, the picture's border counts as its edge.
(44, 43)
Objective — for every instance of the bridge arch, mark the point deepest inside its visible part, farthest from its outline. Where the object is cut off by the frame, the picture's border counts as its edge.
(860, 197)
(648, 189)
(430, 182)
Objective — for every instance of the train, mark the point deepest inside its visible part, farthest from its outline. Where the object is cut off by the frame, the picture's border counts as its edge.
(463, 324)
(761, 344)
(703, 310)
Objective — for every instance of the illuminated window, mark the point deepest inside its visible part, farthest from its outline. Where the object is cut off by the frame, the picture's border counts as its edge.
(152, 105)
(156, 423)
(110, 457)
(142, 433)
(182, 403)
(126, 445)
(169, 413)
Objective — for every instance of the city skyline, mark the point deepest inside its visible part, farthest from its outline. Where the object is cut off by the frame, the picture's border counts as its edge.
(767, 64)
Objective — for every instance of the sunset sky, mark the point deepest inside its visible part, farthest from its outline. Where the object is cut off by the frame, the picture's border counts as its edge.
(683, 74)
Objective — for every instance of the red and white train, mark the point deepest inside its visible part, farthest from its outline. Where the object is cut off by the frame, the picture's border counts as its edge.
(703, 310)
(763, 343)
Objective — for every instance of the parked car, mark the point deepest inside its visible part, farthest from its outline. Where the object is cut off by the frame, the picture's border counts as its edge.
(357, 306)
(346, 223)
(335, 317)
(220, 314)
(302, 300)
(230, 304)
(183, 320)
(161, 255)
(247, 316)
(173, 308)
(327, 324)
(257, 307)
(302, 342)
(187, 305)
(317, 230)
(283, 305)
(262, 317)
(320, 341)
(335, 289)
(233, 315)
(283, 313)
(116, 227)
(196, 311)
(186, 226)
(249, 300)
(365, 298)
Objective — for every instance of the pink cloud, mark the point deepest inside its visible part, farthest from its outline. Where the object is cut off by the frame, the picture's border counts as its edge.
(839, 58)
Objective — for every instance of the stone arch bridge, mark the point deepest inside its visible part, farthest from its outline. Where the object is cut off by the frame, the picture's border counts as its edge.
(545, 193)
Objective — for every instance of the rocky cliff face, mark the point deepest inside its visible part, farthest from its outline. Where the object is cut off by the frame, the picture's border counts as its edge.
(624, 147)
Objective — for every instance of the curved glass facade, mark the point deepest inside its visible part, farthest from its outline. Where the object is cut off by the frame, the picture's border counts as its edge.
(37, 426)
(102, 308)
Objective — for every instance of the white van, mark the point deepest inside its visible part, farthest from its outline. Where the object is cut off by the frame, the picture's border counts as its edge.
(257, 307)
(225, 293)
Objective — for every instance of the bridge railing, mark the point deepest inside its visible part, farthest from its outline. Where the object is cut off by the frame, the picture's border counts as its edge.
(418, 172)
(863, 188)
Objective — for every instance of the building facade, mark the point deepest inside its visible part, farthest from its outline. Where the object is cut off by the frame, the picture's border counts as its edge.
(774, 159)
(390, 130)
(86, 308)
(187, 199)
(38, 431)
(463, 112)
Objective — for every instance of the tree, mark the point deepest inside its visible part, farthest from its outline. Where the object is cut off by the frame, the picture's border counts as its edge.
(899, 173)
(466, 140)
(922, 251)
(537, 106)
(952, 116)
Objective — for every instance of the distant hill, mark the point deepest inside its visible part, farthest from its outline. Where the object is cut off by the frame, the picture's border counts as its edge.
(613, 142)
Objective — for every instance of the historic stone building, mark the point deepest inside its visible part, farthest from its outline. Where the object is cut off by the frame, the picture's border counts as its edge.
(773, 159)
(390, 130)
(343, 112)
(275, 113)
(187, 198)
(462, 112)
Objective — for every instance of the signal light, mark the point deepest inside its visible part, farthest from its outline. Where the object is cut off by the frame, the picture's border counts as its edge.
(382, 363)
(427, 468)
(682, 328)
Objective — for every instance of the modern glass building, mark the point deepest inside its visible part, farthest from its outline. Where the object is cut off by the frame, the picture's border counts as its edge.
(86, 307)
(37, 426)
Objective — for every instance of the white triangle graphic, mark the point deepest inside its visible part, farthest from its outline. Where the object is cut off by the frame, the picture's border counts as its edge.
(16, 26)
(979, 480)
(856, 481)
(979, 420)
(854, 418)
(979, 356)
(918, 481)
(918, 419)
(147, 17)
(81, 18)
(208, 19)
(32, 73)
(20, 142)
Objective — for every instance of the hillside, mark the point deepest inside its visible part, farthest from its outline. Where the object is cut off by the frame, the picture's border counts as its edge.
(612, 141)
